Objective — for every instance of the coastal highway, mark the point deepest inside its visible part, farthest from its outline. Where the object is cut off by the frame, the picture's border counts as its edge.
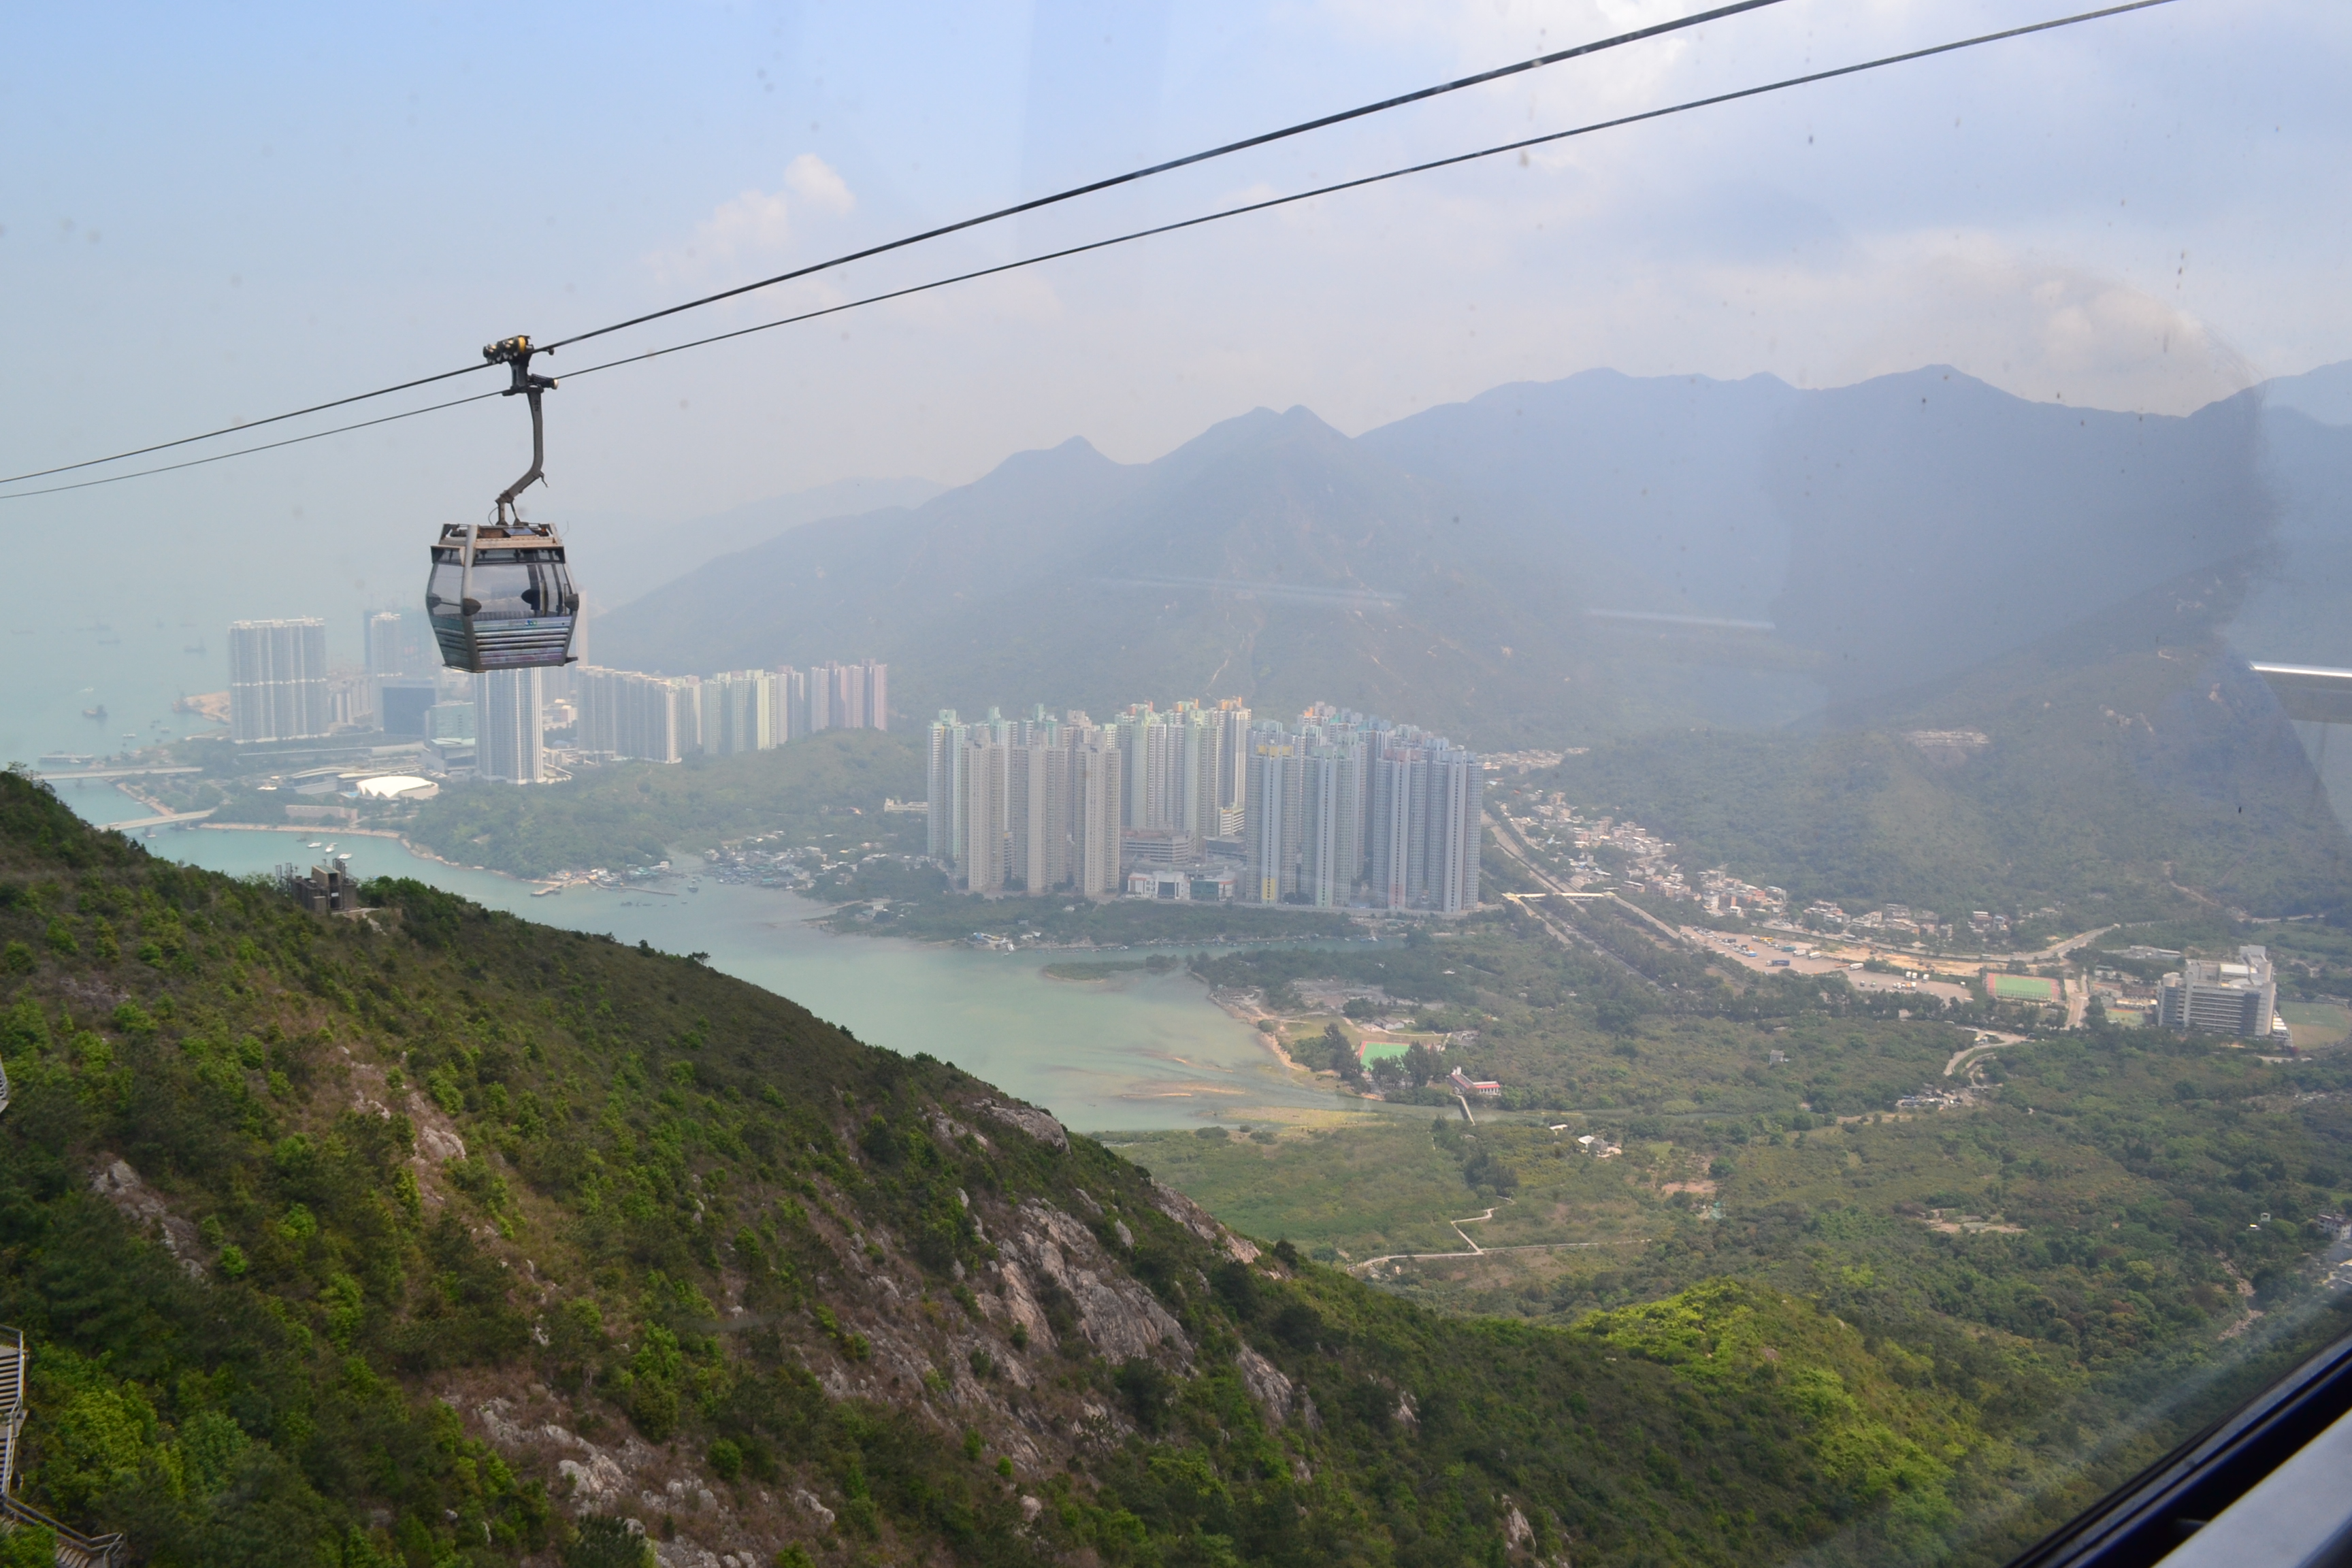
(79, 775)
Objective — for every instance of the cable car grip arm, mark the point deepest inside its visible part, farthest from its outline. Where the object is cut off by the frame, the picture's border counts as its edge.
(515, 354)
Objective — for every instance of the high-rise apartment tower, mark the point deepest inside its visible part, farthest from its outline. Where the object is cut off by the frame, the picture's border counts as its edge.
(277, 679)
(508, 748)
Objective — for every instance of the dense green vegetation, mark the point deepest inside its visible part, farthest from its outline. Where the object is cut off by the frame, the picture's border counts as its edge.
(2104, 1217)
(1567, 1026)
(2151, 1159)
(1342, 1192)
(444, 1180)
(2063, 1269)
(1109, 968)
(636, 814)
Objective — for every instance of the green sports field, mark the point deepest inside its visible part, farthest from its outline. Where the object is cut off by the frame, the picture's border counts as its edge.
(2316, 1025)
(2021, 987)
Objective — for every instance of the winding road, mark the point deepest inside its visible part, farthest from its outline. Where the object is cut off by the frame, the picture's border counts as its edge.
(1491, 1251)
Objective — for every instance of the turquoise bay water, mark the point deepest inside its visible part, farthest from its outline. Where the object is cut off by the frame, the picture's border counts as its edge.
(1144, 1051)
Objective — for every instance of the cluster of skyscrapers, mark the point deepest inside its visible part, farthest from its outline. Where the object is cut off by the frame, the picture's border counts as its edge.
(661, 719)
(281, 689)
(1337, 810)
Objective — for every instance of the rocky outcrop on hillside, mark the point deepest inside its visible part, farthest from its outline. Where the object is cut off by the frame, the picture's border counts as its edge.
(1115, 1316)
(1201, 1223)
(1055, 1296)
(1037, 1123)
(119, 1185)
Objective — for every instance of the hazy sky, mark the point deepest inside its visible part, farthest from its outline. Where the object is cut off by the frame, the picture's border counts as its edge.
(214, 212)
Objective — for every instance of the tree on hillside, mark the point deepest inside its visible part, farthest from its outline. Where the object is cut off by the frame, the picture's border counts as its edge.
(1343, 1054)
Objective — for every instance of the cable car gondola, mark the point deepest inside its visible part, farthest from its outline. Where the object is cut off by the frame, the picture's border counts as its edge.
(501, 596)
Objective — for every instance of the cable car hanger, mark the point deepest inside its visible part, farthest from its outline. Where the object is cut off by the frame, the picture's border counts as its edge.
(500, 594)
(515, 354)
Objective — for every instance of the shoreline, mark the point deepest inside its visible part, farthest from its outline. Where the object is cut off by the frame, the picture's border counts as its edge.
(827, 913)
(400, 838)
(1271, 1043)
(1291, 1074)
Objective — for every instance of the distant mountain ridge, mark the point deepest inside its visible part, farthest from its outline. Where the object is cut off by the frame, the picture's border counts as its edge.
(1691, 532)
(623, 557)
(1473, 566)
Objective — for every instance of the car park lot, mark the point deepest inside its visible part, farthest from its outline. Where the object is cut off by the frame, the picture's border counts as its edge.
(1766, 956)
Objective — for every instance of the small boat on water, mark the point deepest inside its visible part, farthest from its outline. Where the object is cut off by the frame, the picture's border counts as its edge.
(546, 892)
(97, 712)
(313, 845)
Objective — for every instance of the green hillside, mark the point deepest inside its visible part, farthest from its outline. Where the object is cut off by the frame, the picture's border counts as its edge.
(2127, 769)
(436, 1236)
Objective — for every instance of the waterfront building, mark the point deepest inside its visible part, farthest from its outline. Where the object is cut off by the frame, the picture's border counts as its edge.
(387, 649)
(737, 712)
(1273, 817)
(944, 842)
(790, 697)
(848, 682)
(509, 746)
(1049, 818)
(1423, 823)
(981, 866)
(1020, 763)
(1233, 721)
(1197, 812)
(1456, 831)
(1331, 826)
(849, 696)
(277, 679)
(449, 722)
(1095, 771)
(1390, 825)
(623, 713)
(401, 703)
(820, 698)
(1339, 810)
(1176, 886)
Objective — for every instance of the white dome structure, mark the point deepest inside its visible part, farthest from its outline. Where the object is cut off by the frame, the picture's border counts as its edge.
(398, 786)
